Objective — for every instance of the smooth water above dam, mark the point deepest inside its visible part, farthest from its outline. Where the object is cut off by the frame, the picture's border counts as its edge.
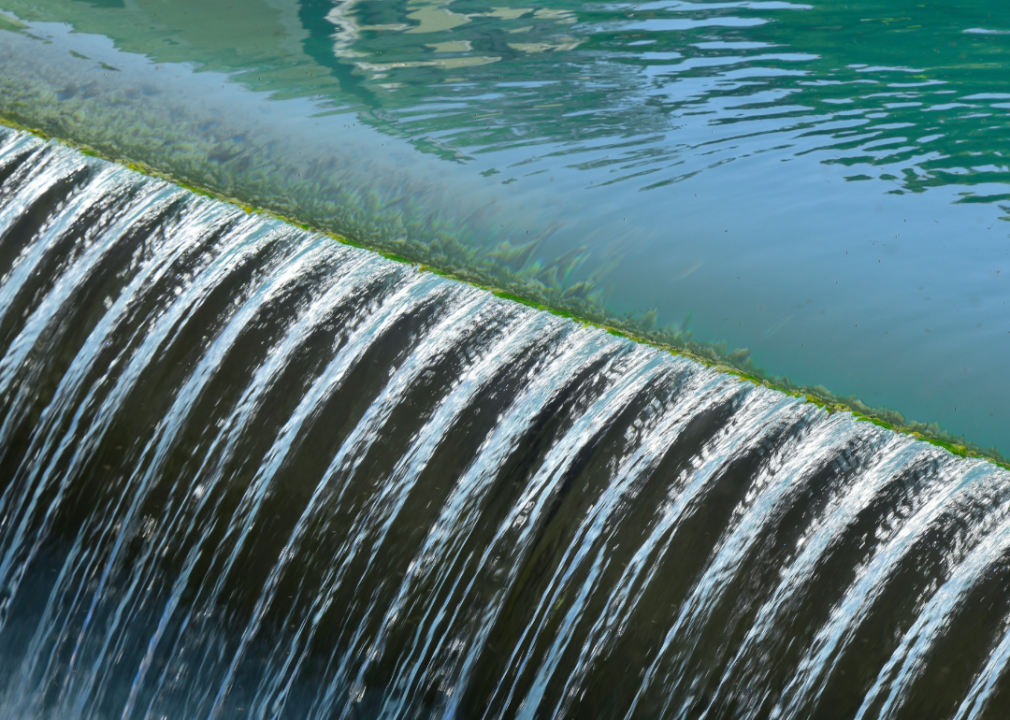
(825, 184)
(246, 471)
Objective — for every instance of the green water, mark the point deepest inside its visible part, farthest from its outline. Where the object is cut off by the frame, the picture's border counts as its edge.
(823, 184)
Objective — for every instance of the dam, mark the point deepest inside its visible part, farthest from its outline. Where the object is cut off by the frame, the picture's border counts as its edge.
(250, 472)
(435, 358)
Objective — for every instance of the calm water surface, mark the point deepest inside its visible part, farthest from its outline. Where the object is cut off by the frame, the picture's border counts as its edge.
(822, 183)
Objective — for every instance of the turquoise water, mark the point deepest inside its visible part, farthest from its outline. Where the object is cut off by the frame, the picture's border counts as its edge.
(825, 186)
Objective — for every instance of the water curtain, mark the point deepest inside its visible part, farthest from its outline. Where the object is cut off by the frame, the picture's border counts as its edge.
(247, 471)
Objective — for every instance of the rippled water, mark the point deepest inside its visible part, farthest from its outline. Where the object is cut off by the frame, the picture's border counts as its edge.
(823, 184)
(246, 471)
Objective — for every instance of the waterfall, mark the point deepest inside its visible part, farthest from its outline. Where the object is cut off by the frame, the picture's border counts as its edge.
(247, 471)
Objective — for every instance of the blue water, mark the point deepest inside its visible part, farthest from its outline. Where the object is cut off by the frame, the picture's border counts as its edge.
(823, 185)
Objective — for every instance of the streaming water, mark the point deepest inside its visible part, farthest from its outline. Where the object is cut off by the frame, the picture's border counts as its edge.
(822, 183)
(246, 471)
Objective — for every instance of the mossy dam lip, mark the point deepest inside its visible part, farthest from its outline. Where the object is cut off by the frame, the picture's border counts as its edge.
(714, 355)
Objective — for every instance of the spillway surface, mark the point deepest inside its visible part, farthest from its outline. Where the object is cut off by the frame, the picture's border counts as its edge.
(246, 471)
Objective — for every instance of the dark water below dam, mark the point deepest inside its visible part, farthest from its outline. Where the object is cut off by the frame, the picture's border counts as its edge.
(246, 471)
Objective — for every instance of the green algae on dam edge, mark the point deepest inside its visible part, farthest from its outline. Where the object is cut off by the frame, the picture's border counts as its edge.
(677, 341)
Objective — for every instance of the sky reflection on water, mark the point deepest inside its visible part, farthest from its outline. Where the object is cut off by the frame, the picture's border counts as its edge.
(826, 186)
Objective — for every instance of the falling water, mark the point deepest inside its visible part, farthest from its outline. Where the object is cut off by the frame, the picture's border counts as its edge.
(246, 471)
